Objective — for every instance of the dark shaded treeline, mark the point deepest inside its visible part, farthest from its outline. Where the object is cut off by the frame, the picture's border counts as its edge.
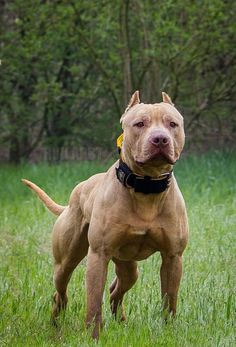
(68, 69)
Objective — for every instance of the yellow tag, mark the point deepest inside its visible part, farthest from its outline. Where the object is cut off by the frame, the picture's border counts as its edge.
(119, 141)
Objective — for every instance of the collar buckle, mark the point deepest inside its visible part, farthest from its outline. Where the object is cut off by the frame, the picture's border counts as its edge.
(123, 177)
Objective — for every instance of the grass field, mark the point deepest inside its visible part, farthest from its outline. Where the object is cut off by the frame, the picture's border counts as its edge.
(206, 307)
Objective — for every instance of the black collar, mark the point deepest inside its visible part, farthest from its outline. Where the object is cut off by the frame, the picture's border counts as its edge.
(142, 184)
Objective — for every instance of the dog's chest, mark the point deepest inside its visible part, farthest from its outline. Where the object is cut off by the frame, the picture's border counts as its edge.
(139, 232)
(139, 244)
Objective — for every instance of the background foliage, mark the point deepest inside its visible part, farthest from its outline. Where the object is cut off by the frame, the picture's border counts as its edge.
(68, 69)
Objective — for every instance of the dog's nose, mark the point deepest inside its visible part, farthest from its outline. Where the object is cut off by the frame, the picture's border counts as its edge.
(160, 140)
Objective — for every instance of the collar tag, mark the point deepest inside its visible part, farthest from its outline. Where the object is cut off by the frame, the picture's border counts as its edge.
(119, 142)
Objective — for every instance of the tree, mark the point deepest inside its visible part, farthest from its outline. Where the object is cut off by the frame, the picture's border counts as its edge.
(68, 69)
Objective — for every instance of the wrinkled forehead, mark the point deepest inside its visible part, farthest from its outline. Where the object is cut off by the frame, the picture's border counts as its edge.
(152, 111)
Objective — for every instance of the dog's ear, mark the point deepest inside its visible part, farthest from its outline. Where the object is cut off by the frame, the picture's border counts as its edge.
(133, 101)
(167, 99)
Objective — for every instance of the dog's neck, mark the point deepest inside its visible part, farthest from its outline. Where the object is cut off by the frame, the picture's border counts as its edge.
(147, 207)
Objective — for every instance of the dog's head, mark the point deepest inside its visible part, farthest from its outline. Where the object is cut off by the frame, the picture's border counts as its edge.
(153, 135)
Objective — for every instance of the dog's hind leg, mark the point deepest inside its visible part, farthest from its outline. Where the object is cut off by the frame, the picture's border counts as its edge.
(126, 276)
(61, 278)
(70, 246)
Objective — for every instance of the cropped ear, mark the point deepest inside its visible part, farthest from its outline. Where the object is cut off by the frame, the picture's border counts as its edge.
(167, 99)
(133, 101)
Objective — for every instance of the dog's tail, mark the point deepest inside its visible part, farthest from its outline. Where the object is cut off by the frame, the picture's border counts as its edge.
(50, 204)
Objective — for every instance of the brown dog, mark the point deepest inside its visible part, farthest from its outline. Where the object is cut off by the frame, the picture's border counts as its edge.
(125, 214)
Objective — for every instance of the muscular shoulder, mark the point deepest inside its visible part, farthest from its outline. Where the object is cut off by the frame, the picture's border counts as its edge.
(85, 188)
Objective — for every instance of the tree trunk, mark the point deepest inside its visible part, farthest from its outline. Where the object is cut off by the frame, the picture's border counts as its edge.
(14, 152)
(126, 51)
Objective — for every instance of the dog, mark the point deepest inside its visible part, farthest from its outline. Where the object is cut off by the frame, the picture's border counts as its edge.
(125, 215)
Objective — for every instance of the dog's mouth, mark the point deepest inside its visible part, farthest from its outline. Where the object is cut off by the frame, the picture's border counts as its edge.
(157, 157)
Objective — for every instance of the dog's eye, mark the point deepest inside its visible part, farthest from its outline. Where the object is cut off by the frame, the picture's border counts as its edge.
(173, 124)
(139, 124)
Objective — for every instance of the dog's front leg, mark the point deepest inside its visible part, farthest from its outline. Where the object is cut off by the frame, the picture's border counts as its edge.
(95, 282)
(171, 273)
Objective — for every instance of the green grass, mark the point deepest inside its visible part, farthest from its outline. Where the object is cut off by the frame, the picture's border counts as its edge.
(206, 307)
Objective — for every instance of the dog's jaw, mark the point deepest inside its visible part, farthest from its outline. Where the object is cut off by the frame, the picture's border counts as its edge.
(151, 167)
(156, 157)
